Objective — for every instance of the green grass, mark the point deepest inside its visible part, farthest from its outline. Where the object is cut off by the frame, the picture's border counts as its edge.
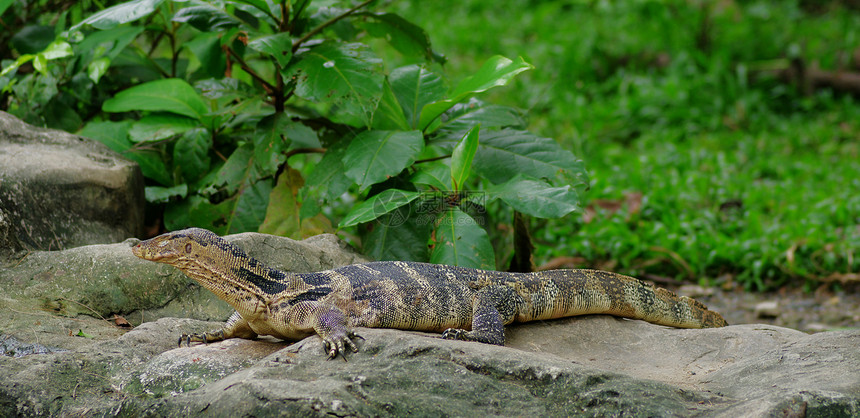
(743, 180)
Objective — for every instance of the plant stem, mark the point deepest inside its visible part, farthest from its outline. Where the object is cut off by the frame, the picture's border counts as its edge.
(326, 24)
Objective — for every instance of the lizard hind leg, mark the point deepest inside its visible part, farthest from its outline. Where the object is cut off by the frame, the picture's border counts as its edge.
(493, 307)
(235, 327)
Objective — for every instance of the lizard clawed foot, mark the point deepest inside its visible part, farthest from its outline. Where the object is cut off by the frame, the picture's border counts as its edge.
(205, 338)
(338, 343)
(456, 334)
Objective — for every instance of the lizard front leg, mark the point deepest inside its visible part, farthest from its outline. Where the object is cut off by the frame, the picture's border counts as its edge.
(329, 322)
(235, 327)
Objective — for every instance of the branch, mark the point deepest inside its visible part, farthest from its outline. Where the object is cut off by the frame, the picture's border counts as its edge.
(326, 24)
(270, 89)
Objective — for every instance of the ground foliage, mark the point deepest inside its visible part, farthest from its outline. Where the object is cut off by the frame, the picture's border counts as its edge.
(704, 165)
(279, 117)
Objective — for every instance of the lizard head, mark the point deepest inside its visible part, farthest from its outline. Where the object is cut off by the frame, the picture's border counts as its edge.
(173, 247)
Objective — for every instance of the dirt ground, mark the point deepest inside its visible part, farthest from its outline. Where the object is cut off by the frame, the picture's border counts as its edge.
(822, 310)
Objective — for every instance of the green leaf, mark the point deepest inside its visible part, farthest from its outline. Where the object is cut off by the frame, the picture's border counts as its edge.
(399, 235)
(270, 142)
(4, 4)
(238, 170)
(497, 71)
(461, 158)
(327, 180)
(377, 206)
(415, 87)
(119, 14)
(155, 194)
(31, 39)
(374, 156)
(108, 43)
(205, 18)
(160, 126)
(170, 95)
(81, 333)
(301, 136)
(97, 68)
(191, 154)
(206, 47)
(389, 114)
(112, 134)
(151, 165)
(333, 71)
(403, 35)
(279, 46)
(57, 49)
(197, 211)
(249, 209)
(536, 198)
(463, 116)
(437, 175)
(503, 154)
(460, 241)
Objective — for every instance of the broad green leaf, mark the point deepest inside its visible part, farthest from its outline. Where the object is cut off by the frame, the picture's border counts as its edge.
(463, 116)
(238, 170)
(461, 158)
(32, 39)
(206, 47)
(301, 136)
(205, 18)
(112, 134)
(249, 209)
(503, 154)
(403, 35)
(108, 43)
(497, 71)
(119, 14)
(536, 198)
(374, 156)
(377, 206)
(170, 95)
(97, 68)
(278, 46)
(436, 175)
(460, 241)
(332, 71)
(389, 114)
(415, 87)
(197, 211)
(399, 235)
(4, 4)
(155, 194)
(191, 154)
(225, 88)
(57, 49)
(327, 180)
(160, 126)
(270, 142)
(151, 165)
(40, 63)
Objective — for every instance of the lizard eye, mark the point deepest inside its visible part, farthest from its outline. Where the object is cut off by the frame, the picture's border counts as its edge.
(188, 248)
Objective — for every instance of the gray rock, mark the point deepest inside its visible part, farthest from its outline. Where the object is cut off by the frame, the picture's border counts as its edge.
(59, 190)
(591, 365)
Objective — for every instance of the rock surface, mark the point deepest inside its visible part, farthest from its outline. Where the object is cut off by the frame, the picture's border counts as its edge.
(59, 190)
(591, 365)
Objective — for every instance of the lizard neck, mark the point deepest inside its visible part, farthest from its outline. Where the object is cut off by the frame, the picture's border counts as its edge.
(240, 280)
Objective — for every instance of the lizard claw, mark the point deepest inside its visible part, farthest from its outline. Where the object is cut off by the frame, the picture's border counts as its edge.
(455, 334)
(337, 344)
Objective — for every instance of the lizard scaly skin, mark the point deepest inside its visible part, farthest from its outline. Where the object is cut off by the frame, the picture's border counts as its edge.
(462, 303)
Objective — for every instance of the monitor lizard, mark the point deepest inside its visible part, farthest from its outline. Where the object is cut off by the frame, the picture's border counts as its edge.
(462, 303)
